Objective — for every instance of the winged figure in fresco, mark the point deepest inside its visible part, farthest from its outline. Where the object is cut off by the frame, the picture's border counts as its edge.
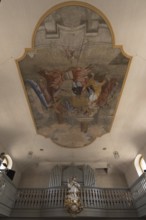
(77, 92)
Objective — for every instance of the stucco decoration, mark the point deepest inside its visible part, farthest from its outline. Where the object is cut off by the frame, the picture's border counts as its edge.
(73, 74)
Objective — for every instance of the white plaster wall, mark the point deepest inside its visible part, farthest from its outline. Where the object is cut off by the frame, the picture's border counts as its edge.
(17, 175)
(131, 174)
(143, 152)
(37, 180)
(112, 180)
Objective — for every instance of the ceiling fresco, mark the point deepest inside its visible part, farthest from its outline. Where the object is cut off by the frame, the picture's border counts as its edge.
(73, 75)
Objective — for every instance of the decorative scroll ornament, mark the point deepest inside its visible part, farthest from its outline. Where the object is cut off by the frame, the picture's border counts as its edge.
(73, 200)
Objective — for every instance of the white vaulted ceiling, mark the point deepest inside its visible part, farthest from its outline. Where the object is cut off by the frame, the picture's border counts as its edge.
(18, 136)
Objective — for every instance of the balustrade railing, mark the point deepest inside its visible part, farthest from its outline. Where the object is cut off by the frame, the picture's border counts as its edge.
(107, 198)
(40, 198)
(90, 197)
(138, 189)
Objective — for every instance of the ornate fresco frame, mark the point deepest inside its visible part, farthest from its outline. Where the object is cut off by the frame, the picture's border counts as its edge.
(27, 50)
